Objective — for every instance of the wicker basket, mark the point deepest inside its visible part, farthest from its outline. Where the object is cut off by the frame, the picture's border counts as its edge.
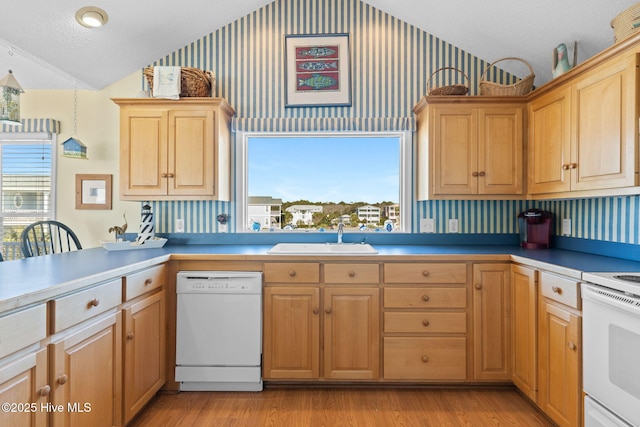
(522, 87)
(457, 89)
(194, 82)
(627, 23)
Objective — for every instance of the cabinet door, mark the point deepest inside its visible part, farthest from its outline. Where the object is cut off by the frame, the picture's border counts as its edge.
(500, 147)
(550, 142)
(455, 135)
(191, 163)
(606, 130)
(86, 375)
(144, 352)
(491, 322)
(24, 382)
(523, 329)
(351, 333)
(143, 152)
(560, 364)
(291, 348)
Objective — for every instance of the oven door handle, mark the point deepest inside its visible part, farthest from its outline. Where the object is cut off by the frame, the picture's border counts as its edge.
(619, 300)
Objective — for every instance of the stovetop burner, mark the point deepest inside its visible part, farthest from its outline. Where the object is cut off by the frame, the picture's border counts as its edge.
(628, 277)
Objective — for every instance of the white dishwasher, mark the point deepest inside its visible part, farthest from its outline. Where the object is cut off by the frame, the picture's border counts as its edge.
(219, 331)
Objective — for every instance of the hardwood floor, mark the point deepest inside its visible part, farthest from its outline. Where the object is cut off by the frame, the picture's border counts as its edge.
(388, 407)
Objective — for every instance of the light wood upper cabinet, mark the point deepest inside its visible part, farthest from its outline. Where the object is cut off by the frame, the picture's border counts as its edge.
(583, 134)
(470, 147)
(174, 149)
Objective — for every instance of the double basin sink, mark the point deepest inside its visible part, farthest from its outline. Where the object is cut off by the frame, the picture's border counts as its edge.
(322, 249)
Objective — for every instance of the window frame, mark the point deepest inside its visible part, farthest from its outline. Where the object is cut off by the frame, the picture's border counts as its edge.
(405, 173)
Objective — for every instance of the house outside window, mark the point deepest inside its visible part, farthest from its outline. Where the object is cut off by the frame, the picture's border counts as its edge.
(27, 185)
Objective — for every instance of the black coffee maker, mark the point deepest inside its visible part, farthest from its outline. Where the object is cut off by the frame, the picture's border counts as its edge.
(535, 228)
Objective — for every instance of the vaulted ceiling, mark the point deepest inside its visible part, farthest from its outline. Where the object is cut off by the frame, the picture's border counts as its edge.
(46, 49)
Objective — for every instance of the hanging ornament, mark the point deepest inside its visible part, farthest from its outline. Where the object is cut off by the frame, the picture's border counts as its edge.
(73, 147)
(10, 91)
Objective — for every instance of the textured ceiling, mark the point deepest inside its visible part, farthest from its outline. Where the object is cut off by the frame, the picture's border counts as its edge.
(44, 46)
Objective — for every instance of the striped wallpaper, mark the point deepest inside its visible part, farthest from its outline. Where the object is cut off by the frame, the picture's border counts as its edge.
(392, 65)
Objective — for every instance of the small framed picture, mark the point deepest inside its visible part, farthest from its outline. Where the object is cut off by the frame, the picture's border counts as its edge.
(317, 70)
(93, 191)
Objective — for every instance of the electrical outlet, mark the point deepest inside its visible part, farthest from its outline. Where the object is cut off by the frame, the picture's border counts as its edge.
(566, 227)
(427, 225)
(453, 226)
(222, 228)
(179, 225)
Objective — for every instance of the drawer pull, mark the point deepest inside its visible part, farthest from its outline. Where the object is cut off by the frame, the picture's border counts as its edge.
(148, 282)
(425, 359)
(327, 310)
(425, 298)
(45, 390)
(572, 345)
(557, 290)
(352, 274)
(292, 273)
(425, 322)
(478, 286)
(130, 336)
(94, 302)
(62, 379)
(316, 311)
(425, 273)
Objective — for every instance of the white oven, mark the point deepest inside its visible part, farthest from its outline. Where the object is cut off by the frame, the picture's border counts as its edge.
(611, 349)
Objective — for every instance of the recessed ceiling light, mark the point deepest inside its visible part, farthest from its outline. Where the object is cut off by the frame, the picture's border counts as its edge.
(91, 17)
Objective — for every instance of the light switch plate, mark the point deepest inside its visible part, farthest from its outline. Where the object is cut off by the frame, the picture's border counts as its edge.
(453, 226)
(179, 225)
(566, 227)
(427, 225)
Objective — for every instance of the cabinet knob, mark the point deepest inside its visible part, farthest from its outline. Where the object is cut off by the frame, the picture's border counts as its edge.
(45, 390)
(574, 166)
(425, 273)
(572, 345)
(425, 298)
(148, 282)
(164, 175)
(482, 173)
(474, 174)
(352, 274)
(557, 290)
(327, 310)
(62, 379)
(94, 302)
(425, 359)
(566, 167)
(130, 336)
(292, 273)
(170, 175)
(478, 286)
(425, 322)
(316, 311)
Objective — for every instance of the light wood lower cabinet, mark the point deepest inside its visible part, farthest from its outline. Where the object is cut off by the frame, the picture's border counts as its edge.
(24, 382)
(524, 342)
(86, 374)
(491, 322)
(144, 354)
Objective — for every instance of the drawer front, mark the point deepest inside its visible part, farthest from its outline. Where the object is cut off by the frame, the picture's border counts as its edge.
(561, 289)
(351, 273)
(22, 328)
(409, 358)
(424, 297)
(299, 272)
(425, 322)
(147, 280)
(75, 308)
(425, 273)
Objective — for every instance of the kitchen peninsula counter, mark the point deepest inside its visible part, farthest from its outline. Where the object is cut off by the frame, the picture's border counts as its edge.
(39, 279)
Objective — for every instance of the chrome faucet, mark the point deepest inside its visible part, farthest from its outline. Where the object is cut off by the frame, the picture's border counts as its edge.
(340, 231)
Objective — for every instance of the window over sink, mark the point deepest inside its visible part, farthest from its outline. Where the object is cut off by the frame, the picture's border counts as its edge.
(311, 182)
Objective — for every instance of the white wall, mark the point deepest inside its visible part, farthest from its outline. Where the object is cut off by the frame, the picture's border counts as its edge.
(98, 129)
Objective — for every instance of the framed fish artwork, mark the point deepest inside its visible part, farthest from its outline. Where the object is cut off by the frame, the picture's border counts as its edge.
(317, 70)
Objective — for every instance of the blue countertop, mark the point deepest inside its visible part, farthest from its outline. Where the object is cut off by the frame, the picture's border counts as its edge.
(36, 279)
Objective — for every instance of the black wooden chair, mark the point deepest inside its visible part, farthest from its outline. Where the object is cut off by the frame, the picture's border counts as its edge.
(48, 237)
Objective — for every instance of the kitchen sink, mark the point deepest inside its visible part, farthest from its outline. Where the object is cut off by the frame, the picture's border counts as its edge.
(322, 249)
